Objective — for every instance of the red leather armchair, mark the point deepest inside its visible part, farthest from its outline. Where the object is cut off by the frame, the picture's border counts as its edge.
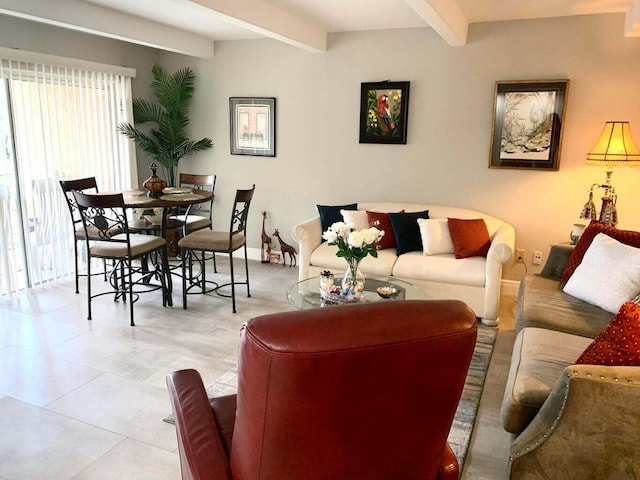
(355, 392)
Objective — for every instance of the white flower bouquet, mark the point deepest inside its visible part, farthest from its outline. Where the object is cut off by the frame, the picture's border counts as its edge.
(353, 243)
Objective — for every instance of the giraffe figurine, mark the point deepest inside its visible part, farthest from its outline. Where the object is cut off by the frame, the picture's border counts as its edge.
(285, 248)
(266, 242)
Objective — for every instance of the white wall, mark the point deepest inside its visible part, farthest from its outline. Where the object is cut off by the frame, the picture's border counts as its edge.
(319, 159)
(37, 37)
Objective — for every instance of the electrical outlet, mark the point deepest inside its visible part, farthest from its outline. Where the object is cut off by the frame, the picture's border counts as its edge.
(537, 258)
(520, 254)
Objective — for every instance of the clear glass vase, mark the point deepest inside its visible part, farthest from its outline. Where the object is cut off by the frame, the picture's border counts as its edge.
(353, 279)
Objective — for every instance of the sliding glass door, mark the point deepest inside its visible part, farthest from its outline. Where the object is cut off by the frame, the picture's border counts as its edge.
(55, 123)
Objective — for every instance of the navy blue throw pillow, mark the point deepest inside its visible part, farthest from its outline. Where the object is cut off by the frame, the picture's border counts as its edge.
(330, 214)
(406, 230)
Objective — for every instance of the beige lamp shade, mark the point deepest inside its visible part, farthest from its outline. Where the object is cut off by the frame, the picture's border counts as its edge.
(615, 146)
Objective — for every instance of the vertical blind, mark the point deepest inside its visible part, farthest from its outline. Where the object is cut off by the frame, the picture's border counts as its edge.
(56, 122)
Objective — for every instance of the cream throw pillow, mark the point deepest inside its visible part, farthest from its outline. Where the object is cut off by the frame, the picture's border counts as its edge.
(435, 236)
(608, 275)
(357, 217)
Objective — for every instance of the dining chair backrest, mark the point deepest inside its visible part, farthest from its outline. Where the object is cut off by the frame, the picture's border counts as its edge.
(240, 211)
(103, 216)
(86, 185)
(199, 182)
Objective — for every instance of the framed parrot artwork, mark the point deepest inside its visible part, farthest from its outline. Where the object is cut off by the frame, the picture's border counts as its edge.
(384, 108)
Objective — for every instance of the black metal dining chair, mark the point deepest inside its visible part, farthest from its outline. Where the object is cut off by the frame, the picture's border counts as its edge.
(85, 185)
(195, 245)
(107, 237)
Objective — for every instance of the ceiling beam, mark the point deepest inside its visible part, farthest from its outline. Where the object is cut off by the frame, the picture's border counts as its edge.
(93, 19)
(445, 17)
(632, 21)
(263, 18)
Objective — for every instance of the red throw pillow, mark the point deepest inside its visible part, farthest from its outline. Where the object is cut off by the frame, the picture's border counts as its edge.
(384, 223)
(470, 237)
(618, 344)
(628, 237)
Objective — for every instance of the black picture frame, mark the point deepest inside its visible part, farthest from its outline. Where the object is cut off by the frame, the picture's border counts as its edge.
(384, 110)
(253, 126)
(527, 125)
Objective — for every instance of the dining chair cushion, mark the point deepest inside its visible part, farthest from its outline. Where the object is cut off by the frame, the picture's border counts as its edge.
(193, 222)
(140, 244)
(212, 241)
(93, 232)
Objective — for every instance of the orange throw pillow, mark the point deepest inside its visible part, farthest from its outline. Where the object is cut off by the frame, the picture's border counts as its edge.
(470, 237)
(384, 223)
(619, 343)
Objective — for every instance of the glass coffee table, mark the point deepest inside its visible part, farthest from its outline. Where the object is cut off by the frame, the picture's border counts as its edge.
(306, 294)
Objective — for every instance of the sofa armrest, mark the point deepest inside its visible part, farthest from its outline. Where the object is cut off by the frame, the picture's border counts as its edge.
(589, 427)
(308, 234)
(501, 250)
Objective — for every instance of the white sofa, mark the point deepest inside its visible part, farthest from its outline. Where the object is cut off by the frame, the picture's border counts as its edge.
(474, 280)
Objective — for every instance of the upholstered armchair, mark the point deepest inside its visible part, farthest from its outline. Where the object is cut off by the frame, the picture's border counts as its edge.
(363, 391)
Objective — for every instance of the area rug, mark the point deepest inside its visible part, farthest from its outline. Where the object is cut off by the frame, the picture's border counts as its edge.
(462, 428)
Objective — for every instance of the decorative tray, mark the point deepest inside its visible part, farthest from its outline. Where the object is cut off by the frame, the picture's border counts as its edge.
(336, 296)
(176, 190)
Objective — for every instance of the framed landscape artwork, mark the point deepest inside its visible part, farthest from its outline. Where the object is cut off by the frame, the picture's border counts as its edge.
(384, 112)
(253, 126)
(526, 131)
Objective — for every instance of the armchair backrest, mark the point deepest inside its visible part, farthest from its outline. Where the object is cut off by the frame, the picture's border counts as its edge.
(360, 391)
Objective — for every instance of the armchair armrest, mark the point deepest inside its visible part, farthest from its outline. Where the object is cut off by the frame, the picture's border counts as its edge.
(501, 250)
(308, 234)
(449, 468)
(589, 427)
(201, 448)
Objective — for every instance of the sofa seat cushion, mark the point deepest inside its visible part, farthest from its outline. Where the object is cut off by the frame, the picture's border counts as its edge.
(444, 268)
(542, 303)
(325, 257)
(538, 359)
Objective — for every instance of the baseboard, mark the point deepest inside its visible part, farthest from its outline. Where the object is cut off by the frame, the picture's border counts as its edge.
(509, 287)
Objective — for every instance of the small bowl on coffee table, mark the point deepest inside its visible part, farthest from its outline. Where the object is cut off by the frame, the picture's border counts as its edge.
(389, 292)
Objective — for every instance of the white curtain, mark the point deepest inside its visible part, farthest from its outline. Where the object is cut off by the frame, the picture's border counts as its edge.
(57, 121)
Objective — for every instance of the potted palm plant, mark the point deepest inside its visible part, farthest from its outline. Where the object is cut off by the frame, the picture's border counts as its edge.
(166, 140)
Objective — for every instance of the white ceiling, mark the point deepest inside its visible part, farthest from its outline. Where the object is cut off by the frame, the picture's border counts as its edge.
(192, 26)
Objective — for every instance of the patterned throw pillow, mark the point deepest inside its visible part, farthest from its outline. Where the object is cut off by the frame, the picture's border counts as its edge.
(628, 237)
(619, 343)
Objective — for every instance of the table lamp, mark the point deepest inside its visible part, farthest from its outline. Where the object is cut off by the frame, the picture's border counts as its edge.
(614, 147)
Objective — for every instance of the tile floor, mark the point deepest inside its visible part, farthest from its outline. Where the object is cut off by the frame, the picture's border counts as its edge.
(85, 399)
